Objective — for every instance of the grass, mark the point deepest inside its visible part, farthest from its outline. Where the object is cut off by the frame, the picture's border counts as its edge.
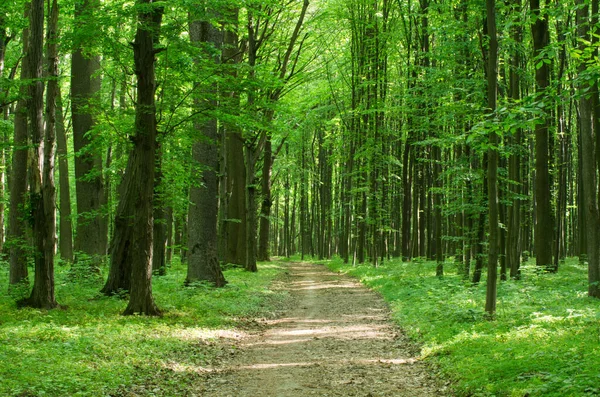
(89, 349)
(544, 340)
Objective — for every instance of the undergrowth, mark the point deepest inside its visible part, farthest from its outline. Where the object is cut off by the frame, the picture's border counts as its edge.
(87, 348)
(544, 340)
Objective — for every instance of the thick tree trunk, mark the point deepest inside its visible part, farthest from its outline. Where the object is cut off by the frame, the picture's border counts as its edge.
(236, 211)
(544, 226)
(138, 193)
(590, 167)
(91, 237)
(17, 238)
(41, 175)
(203, 261)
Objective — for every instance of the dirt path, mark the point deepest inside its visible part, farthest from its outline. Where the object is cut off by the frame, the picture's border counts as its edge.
(336, 339)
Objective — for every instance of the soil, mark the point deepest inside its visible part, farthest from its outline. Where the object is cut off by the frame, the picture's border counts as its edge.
(334, 339)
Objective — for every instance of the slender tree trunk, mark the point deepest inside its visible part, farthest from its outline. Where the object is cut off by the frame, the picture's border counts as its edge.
(66, 226)
(251, 224)
(4, 40)
(437, 181)
(513, 252)
(265, 208)
(492, 166)
(406, 201)
(159, 237)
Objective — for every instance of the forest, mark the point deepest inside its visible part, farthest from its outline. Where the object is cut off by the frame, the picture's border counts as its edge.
(164, 160)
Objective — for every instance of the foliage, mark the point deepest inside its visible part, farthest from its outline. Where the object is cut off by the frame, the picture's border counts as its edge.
(545, 340)
(87, 348)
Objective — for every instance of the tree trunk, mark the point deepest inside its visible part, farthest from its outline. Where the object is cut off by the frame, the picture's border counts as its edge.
(589, 176)
(203, 260)
(159, 237)
(513, 251)
(265, 208)
(41, 175)
(18, 180)
(437, 181)
(139, 191)
(544, 226)
(66, 226)
(492, 166)
(91, 237)
(250, 158)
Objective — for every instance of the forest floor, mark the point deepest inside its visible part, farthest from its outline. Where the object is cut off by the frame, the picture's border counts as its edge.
(334, 338)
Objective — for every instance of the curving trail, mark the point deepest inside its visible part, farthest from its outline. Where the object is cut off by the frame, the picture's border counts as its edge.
(336, 339)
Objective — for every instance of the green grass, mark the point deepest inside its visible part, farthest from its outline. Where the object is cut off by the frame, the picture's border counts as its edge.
(544, 341)
(88, 348)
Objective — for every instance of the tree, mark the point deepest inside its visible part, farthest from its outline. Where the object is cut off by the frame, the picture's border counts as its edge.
(131, 248)
(543, 209)
(492, 92)
(91, 237)
(66, 225)
(588, 158)
(42, 191)
(18, 186)
(203, 261)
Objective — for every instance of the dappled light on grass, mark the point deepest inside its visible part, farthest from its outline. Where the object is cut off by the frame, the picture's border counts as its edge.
(91, 348)
(543, 342)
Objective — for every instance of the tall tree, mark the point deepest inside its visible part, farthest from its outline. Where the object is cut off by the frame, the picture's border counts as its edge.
(65, 234)
(92, 232)
(18, 184)
(42, 190)
(137, 209)
(203, 261)
(544, 226)
(589, 157)
(285, 70)
(513, 252)
(492, 170)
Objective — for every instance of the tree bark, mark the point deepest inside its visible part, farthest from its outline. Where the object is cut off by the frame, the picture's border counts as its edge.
(41, 175)
(159, 264)
(250, 158)
(65, 243)
(544, 227)
(203, 260)
(589, 164)
(139, 192)
(492, 166)
(234, 231)
(92, 232)
(18, 187)
(266, 203)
